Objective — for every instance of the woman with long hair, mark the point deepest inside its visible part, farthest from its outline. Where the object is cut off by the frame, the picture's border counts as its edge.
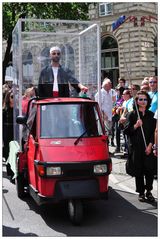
(7, 126)
(141, 162)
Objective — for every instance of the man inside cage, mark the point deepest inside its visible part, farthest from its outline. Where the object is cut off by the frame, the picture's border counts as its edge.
(54, 79)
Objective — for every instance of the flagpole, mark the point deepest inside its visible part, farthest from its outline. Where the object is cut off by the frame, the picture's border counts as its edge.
(130, 81)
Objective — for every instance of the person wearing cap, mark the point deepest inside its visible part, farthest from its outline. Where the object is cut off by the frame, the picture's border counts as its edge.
(54, 79)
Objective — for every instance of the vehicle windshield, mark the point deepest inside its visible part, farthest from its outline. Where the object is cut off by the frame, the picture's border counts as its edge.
(70, 120)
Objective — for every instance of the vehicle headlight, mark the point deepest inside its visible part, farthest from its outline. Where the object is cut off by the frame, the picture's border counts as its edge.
(53, 171)
(100, 168)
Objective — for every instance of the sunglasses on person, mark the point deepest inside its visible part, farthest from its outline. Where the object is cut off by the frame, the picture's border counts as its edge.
(56, 53)
(142, 99)
(152, 82)
(11, 96)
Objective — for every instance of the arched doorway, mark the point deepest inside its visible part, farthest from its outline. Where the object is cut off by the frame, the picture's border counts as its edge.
(68, 57)
(27, 64)
(45, 57)
(68, 61)
(109, 59)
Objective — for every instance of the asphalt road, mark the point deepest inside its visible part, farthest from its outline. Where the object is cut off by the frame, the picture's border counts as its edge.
(121, 215)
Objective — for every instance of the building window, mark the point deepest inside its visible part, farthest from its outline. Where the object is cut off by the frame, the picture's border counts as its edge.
(9, 71)
(105, 9)
(109, 59)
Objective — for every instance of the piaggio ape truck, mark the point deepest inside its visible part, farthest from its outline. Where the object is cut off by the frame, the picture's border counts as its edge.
(63, 151)
(65, 155)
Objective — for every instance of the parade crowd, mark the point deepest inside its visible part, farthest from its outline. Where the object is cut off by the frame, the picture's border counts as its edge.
(117, 102)
(131, 112)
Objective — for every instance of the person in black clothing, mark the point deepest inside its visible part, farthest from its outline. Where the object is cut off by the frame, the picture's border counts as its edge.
(119, 88)
(141, 162)
(121, 85)
(7, 123)
(8, 127)
(54, 79)
(116, 117)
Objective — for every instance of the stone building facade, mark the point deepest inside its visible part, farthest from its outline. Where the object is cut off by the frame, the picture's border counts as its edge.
(128, 39)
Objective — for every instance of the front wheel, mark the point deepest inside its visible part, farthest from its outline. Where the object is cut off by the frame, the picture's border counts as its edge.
(75, 210)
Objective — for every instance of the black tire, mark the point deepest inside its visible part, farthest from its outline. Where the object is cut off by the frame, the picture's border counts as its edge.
(75, 210)
(20, 184)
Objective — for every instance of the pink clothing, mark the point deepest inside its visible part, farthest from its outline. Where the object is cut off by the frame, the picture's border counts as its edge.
(25, 101)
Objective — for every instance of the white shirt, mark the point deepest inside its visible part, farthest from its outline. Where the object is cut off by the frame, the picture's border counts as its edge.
(106, 101)
(55, 83)
(156, 115)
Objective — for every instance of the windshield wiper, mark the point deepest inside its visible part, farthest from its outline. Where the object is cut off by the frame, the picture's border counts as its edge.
(78, 139)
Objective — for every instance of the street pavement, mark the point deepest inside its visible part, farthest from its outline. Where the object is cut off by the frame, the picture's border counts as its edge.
(120, 178)
(121, 215)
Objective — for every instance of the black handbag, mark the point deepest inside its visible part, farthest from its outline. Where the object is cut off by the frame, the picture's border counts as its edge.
(129, 167)
(151, 164)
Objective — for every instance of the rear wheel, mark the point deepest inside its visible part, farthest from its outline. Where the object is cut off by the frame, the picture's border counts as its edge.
(75, 210)
(20, 186)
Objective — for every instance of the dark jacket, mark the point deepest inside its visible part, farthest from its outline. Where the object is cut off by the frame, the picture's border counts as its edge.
(7, 130)
(46, 79)
(138, 162)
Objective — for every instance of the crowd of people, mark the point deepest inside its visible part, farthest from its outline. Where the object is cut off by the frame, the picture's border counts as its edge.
(131, 112)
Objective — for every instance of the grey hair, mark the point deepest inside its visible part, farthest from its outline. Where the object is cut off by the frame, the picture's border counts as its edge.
(105, 82)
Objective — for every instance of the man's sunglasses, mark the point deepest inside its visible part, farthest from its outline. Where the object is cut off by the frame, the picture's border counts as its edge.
(56, 53)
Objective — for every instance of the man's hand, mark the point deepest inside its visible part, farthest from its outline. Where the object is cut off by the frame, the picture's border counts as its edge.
(82, 87)
(122, 120)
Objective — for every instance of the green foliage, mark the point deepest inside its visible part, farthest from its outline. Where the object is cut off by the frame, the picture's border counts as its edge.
(63, 10)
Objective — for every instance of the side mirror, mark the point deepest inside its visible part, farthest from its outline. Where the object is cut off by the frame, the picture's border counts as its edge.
(21, 119)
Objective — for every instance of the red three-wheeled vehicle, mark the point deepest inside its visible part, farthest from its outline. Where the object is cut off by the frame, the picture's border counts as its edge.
(64, 153)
